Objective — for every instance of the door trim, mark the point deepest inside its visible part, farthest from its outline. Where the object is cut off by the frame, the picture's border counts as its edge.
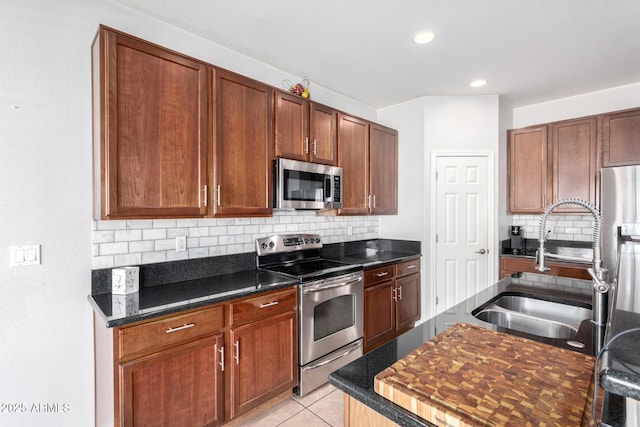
(492, 211)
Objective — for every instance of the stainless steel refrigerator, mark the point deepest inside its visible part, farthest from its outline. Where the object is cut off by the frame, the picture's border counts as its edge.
(620, 369)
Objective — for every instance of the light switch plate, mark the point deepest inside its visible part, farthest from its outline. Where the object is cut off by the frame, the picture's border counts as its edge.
(24, 255)
(181, 243)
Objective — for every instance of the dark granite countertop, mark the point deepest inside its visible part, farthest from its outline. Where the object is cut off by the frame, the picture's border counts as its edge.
(154, 301)
(376, 258)
(578, 249)
(357, 378)
(171, 287)
(621, 363)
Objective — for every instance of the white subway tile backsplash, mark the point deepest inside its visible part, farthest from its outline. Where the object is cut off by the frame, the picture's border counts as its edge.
(563, 227)
(142, 246)
(164, 223)
(114, 248)
(128, 235)
(117, 243)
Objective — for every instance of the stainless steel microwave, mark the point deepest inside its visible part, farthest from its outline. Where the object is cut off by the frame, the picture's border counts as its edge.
(303, 185)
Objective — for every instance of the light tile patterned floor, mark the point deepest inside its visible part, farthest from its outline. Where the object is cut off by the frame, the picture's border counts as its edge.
(321, 408)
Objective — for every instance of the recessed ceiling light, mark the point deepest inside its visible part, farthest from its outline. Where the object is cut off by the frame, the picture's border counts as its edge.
(424, 37)
(478, 83)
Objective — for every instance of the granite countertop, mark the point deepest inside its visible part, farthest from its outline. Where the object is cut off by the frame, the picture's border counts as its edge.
(154, 301)
(171, 287)
(357, 378)
(373, 258)
(583, 251)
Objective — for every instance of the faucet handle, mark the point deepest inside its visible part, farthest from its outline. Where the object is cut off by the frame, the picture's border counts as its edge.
(599, 285)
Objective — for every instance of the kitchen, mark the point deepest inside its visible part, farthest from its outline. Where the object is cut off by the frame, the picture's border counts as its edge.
(47, 319)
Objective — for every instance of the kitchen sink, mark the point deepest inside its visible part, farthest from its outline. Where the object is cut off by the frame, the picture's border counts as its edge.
(533, 315)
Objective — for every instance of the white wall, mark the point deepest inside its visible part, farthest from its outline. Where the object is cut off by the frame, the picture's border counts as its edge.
(603, 101)
(428, 125)
(46, 341)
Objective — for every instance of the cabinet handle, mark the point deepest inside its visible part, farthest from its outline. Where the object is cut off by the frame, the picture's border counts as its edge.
(179, 328)
(395, 294)
(410, 266)
(218, 191)
(269, 304)
(221, 362)
(205, 194)
(369, 201)
(237, 351)
(314, 146)
(400, 293)
(374, 201)
(384, 273)
(306, 145)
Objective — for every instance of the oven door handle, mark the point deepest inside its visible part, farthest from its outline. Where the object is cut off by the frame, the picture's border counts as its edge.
(321, 288)
(351, 349)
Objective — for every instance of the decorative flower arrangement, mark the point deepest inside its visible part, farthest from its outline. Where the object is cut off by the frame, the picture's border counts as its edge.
(300, 89)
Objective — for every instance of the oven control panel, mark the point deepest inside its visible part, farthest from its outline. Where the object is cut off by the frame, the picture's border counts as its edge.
(287, 243)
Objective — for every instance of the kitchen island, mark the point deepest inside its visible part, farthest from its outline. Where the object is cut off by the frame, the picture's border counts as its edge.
(357, 379)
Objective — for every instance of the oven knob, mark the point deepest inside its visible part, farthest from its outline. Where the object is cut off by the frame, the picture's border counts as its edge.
(317, 240)
(263, 246)
(271, 245)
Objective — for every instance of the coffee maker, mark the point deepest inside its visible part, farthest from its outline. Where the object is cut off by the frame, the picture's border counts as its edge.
(517, 240)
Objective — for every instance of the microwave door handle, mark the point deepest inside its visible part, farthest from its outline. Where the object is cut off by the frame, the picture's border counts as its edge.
(327, 188)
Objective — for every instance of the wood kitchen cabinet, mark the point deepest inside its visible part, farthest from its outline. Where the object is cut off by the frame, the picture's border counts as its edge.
(383, 170)
(368, 156)
(621, 138)
(552, 162)
(170, 371)
(510, 265)
(575, 163)
(353, 158)
(242, 153)
(151, 129)
(391, 301)
(263, 340)
(201, 367)
(527, 169)
(304, 130)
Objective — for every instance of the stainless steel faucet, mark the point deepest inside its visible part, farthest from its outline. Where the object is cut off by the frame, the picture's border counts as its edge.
(600, 287)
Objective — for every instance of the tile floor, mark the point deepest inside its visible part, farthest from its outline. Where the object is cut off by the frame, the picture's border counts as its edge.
(321, 408)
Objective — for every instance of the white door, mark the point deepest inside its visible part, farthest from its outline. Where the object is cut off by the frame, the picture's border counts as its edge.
(462, 228)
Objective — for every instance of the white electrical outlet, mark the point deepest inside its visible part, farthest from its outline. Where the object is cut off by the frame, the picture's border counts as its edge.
(181, 243)
(349, 230)
(24, 255)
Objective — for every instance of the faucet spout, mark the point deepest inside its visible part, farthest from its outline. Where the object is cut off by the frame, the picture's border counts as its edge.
(600, 287)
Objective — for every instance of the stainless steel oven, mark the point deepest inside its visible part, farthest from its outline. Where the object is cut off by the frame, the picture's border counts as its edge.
(330, 335)
(330, 304)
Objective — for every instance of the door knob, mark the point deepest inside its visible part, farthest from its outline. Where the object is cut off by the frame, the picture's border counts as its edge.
(482, 251)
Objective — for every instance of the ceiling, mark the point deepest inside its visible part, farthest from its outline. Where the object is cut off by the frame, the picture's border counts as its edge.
(529, 51)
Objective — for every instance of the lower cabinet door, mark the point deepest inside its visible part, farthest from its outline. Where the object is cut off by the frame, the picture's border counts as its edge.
(379, 314)
(408, 300)
(182, 386)
(264, 361)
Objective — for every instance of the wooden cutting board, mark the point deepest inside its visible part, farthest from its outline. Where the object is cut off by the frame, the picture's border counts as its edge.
(471, 376)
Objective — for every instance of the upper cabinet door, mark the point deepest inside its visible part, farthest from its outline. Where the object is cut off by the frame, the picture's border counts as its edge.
(383, 170)
(575, 162)
(291, 136)
(304, 130)
(621, 138)
(527, 170)
(243, 147)
(150, 129)
(353, 155)
(323, 134)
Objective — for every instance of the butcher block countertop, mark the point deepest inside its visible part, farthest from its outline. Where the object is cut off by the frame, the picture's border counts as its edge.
(472, 376)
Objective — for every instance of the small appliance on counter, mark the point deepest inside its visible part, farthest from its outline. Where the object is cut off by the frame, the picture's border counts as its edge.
(515, 245)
